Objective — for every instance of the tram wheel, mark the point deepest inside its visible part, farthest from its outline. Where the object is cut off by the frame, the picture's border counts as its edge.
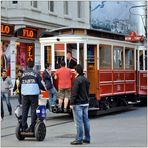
(18, 132)
(40, 131)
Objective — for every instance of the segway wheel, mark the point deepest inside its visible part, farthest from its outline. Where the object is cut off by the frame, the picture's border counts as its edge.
(18, 132)
(40, 131)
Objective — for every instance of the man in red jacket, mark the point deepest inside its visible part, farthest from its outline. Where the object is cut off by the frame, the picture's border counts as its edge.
(64, 76)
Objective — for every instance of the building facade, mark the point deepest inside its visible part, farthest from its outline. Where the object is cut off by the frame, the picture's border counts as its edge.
(22, 23)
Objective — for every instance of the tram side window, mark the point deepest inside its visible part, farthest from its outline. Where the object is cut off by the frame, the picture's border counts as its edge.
(71, 55)
(59, 55)
(105, 56)
(145, 60)
(48, 54)
(141, 60)
(129, 58)
(118, 57)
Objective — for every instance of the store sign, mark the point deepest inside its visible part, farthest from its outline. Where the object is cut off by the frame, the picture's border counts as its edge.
(134, 37)
(7, 29)
(28, 33)
(30, 52)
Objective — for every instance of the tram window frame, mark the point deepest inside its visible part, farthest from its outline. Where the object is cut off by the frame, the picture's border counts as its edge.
(59, 54)
(48, 54)
(141, 60)
(105, 57)
(120, 60)
(145, 58)
(72, 47)
(81, 54)
(129, 62)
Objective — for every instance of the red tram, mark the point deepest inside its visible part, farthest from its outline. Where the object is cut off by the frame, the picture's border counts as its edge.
(110, 63)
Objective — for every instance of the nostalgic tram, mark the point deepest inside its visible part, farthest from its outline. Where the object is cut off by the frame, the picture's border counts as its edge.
(109, 63)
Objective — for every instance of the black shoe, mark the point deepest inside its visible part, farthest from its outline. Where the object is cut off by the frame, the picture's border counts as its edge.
(75, 142)
(86, 141)
(65, 110)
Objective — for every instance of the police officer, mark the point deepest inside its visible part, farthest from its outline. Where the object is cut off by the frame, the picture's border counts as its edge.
(30, 90)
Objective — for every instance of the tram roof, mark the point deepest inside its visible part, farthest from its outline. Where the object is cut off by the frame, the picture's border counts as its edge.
(83, 31)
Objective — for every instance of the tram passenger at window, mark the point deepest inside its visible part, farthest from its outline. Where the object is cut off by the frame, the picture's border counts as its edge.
(71, 62)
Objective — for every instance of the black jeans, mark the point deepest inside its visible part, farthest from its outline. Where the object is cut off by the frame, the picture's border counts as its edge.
(27, 102)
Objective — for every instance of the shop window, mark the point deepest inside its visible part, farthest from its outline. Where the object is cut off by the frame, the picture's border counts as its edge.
(71, 55)
(5, 55)
(117, 57)
(24, 53)
(129, 58)
(59, 54)
(105, 56)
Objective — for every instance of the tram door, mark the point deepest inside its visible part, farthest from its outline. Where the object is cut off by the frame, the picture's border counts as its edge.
(92, 72)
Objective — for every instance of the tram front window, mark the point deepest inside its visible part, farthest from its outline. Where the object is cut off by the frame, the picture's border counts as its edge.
(145, 60)
(71, 55)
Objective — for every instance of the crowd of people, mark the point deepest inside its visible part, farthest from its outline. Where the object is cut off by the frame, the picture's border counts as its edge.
(29, 83)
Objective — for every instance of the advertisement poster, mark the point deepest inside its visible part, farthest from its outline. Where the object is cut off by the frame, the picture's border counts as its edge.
(118, 16)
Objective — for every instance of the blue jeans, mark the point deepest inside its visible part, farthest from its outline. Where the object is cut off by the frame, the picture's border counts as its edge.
(4, 95)
(52, 96)
(80, 113)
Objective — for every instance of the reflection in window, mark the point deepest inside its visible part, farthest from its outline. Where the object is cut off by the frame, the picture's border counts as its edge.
(59, 55)
(118, 57)
(145, 60)
(81, 55)
(141, 60)
(105, 56)
(90, 54)
(48, 54)
(129, 58)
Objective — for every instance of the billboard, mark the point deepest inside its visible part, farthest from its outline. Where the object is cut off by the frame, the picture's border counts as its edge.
(118, 16)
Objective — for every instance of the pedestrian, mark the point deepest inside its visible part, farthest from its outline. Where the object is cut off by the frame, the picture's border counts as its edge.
(71, 62)
(6, 85)
(30, 90)
(47, 76)
(79, 105)
(17, 87)
(64, 76)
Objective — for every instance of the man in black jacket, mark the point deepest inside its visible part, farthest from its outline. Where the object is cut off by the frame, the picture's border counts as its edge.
(79, 104)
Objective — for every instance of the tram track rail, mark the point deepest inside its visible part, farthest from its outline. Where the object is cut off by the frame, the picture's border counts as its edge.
(47, 126)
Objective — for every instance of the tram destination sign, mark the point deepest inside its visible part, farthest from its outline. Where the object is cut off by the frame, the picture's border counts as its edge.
(133, 37)
(7, 29)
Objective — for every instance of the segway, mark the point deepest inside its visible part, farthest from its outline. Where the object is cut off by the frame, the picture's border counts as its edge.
(40, 128)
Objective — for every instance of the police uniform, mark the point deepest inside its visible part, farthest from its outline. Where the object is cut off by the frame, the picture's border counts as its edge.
(30, 90)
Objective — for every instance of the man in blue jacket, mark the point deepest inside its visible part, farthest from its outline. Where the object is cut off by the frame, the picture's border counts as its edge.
(30, 90)
(49, 86)
(79, 104)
